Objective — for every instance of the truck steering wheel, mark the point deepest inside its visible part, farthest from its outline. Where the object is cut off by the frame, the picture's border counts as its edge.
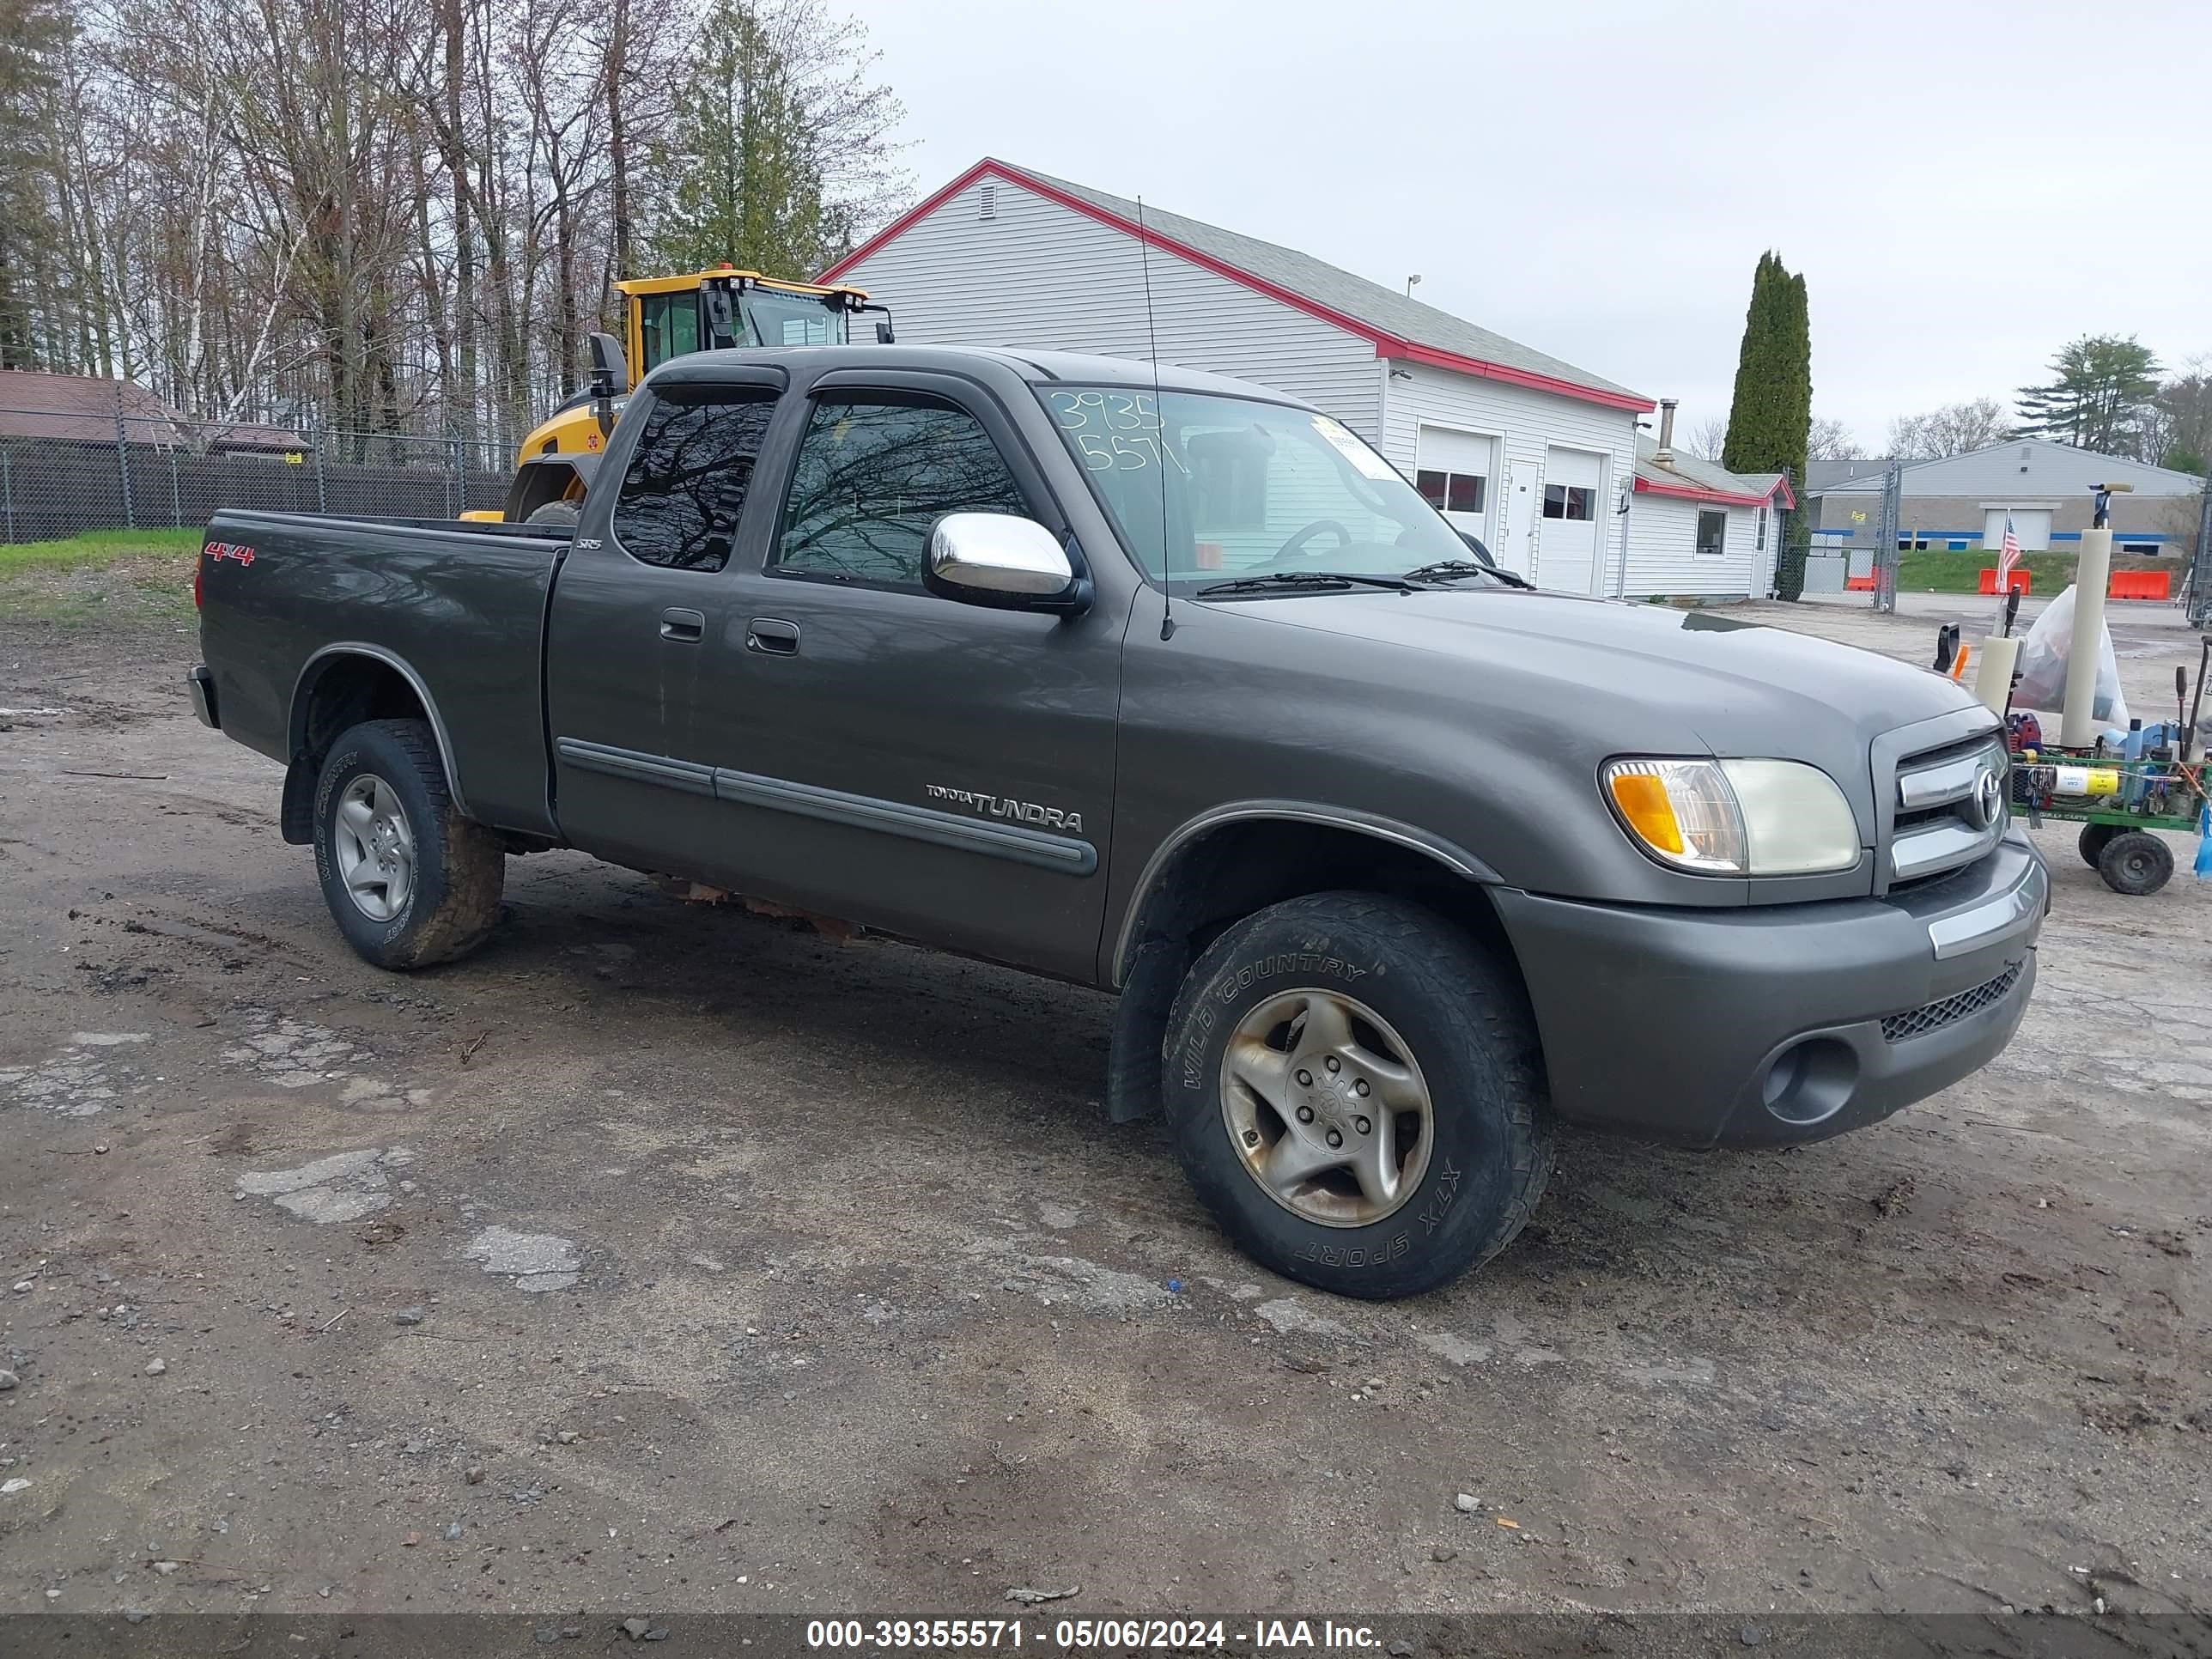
(1297, 544)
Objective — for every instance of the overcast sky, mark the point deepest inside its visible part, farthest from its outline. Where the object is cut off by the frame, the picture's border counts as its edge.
(1596, 180)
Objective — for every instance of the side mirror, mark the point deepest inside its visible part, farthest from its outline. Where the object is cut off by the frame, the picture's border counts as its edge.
(610, 371)
(1003, 561)
(884, 335)
(1474, 546)
(609, 380)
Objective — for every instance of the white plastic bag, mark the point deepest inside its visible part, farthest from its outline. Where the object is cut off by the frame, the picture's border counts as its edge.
(2042, 666)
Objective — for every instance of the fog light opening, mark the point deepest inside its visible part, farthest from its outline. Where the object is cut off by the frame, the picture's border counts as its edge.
(1810, 1081)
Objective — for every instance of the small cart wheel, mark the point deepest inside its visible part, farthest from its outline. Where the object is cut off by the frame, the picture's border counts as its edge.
(2095, 838)
(2136, 862)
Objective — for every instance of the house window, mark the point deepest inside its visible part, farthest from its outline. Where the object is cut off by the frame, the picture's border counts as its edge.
(1760, 544)
(1454, 492)
(1712, 532)
(1569, 501)
(1908, 545)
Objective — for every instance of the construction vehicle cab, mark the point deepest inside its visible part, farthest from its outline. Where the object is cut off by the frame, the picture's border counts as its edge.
(666, 317)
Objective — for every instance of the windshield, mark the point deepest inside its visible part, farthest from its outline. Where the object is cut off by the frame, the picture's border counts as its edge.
(1251, 488)
(781, 319)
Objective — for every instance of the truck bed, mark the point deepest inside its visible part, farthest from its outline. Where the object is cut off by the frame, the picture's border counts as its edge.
(456, 607)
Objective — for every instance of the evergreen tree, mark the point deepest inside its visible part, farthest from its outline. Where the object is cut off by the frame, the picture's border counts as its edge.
(779, 145)
(32, 32)
(2101, 396)
(1771, 418)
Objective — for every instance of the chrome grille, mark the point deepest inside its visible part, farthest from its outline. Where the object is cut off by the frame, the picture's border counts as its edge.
(1941, 820)
(1935, 1016)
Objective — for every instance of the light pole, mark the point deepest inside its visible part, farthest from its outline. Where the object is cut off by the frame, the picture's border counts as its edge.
(1410, 283)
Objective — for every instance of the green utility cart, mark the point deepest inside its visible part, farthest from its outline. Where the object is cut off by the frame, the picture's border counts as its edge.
(2118, 804)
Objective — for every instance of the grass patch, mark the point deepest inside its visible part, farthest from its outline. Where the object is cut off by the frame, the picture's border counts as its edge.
(1940, 571)
(100, 547)
(124, 578)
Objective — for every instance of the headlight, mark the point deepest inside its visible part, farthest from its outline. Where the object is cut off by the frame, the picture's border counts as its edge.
(1736, 817)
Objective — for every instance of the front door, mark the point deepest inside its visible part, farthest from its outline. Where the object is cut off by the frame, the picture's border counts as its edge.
(892, 756)
(1570, 532)
(1519, 552)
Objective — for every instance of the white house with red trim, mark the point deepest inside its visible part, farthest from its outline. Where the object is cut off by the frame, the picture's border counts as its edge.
(1698, 527)
(1536, 457)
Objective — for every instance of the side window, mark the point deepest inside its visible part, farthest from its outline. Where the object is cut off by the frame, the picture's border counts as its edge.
(874, 474)
(687, 479)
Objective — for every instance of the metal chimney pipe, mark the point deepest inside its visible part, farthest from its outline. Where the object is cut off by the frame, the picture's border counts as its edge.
(1665, 456)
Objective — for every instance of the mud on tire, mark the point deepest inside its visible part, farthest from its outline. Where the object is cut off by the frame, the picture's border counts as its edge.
(1465, 1022)
(458, 868)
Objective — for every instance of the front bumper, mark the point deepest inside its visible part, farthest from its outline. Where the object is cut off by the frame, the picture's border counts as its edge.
(1778, 1023)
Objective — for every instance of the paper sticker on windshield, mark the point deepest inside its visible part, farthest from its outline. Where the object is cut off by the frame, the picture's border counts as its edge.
(1364, 461)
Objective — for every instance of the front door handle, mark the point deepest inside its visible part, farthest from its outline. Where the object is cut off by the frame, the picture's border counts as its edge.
(684, 627)
(773, 635)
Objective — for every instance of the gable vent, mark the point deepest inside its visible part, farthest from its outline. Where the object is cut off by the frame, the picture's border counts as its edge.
(986, 202)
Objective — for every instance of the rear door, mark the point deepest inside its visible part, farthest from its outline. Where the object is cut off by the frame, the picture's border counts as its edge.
(635, 614)
(926, 766)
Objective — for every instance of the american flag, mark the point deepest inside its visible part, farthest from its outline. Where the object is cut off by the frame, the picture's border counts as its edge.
(2008, 556)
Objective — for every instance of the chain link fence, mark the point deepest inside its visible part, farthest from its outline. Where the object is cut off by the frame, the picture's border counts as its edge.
(73, 476)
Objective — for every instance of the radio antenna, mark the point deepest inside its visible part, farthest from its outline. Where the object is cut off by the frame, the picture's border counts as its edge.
(1160, 431)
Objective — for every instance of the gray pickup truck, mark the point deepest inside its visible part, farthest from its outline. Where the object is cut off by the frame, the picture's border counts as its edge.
(1169, 684)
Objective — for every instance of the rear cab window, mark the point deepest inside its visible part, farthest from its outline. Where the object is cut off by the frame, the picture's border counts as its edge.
(687, 480)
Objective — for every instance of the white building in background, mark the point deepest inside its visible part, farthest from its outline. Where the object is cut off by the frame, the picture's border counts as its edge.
(1536, 457)
(1699, 528)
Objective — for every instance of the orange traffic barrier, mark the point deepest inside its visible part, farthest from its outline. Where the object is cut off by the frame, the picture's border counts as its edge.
(2140, 585)
(1858, 584)
(2022, 579)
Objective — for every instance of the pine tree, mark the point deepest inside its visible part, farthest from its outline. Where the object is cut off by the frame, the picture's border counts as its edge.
(1771, 418)
(31, 33)
(779, 145)
(2101, 396)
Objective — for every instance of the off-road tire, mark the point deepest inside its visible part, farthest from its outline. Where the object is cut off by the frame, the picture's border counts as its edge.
(2095, 838)
(560, 516)
(2136, 863)
(1466, 1019)
(459, 867)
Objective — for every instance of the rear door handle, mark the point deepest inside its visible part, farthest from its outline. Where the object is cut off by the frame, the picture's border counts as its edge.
(684, 627)
(773, 635)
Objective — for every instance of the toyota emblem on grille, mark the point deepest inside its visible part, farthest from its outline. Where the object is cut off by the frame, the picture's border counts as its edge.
(1988, 800)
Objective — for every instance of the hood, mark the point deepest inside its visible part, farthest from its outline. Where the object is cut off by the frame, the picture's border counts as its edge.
(1742, 687)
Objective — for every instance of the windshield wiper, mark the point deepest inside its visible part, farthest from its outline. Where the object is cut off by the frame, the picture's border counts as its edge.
(1445, 569)
(1310, 580)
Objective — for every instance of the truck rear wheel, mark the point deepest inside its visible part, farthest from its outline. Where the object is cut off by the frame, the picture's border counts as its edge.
(409, 881)
(1356, 1091)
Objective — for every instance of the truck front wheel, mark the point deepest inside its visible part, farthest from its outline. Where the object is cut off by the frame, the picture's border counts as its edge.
(1356, 1091)
(408, 879)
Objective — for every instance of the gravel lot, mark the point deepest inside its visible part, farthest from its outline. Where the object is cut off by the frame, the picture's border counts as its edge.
(662, 1258)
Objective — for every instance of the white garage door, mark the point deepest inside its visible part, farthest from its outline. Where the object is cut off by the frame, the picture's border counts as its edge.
(1452, 469)
(2031, 524)
(1567, 543)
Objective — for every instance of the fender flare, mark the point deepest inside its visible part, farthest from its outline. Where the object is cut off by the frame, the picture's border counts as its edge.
(326, 657)
(1449, 855)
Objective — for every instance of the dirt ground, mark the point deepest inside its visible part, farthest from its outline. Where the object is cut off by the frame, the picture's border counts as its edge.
(661, 1259)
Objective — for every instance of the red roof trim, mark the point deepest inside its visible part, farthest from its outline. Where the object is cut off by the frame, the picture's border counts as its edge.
(1386, 344)
(1695, 492)
(1411, 353)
